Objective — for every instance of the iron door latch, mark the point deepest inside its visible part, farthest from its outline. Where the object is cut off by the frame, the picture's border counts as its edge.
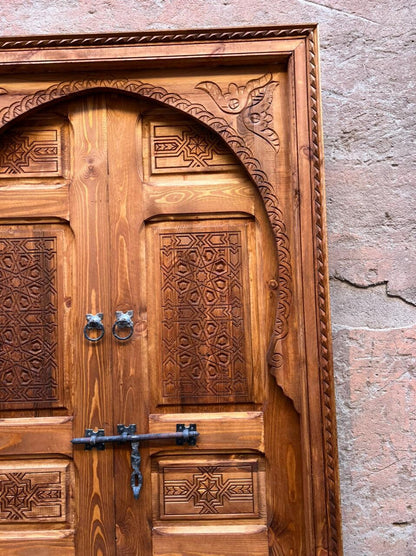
(126, 433)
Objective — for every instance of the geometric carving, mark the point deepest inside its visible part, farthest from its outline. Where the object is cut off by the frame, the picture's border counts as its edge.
(187, 148)
(251, 102)
(203, 336)
(31, 151)
(28, 494)
(28, 321)
(223, 490)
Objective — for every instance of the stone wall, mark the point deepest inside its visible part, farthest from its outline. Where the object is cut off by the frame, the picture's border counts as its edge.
(368, 81)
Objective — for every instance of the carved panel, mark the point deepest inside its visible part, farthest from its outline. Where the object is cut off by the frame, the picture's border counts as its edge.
(33, 493)
(33, 151)
(28, 321)
(209, 490)
(204, 355)
(184, 147)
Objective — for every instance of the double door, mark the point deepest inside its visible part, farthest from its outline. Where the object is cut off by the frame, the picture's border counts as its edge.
(115, 204)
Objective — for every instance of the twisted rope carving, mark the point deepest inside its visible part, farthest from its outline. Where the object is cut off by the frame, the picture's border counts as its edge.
(322, 296)
(153, 38)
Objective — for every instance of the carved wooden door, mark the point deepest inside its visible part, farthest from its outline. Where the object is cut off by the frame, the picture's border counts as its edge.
(112, 203)
(175, 177)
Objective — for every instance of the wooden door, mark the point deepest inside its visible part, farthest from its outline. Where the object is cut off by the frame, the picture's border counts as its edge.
(112, 203)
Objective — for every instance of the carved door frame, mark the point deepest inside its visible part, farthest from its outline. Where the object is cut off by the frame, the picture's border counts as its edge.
(74, 64)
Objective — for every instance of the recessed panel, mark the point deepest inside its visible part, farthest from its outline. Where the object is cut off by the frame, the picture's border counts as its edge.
(184, 147)
(31, 374)
(32, 151)
(209, 488)
(204, 312)
(33, 492)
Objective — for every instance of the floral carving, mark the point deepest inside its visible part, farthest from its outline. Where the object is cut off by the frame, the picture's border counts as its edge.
(330, 535)
(251, 102)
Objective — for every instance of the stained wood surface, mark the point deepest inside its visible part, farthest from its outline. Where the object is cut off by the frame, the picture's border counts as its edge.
(218, 431)
(128, 289)
(43, 436)
(210, 541)
(91, 364)
(46, 543)
(49, 203)
(201, 213)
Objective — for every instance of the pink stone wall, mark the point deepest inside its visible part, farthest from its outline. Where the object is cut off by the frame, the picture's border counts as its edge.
(368, 82)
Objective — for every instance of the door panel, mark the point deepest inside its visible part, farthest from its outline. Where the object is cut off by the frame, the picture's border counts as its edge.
(36, 287)
(161, 221)
(209, 487)
(196, 540)
(32, 293)
(201, 312)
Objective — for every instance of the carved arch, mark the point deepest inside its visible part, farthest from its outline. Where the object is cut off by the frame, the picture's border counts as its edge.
(235, 142)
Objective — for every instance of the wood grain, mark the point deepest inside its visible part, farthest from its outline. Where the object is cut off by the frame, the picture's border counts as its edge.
(45, 543)
(210, 541)
(93, 389)
(128, 291)
(41, 436)
(218, 431)
(23, 203)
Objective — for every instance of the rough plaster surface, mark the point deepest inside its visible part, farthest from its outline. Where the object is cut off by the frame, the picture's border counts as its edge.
(368, 84)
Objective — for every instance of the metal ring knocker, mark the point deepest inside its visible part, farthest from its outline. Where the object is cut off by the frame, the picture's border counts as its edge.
(94, 322)
(123, 321)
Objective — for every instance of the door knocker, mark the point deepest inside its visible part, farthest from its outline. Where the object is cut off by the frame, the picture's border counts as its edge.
(123, 322)
(94, 322)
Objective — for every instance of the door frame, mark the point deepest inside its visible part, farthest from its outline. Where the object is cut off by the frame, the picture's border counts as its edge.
(85, 60)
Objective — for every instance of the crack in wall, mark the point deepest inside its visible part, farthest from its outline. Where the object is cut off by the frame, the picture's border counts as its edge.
(384, 283)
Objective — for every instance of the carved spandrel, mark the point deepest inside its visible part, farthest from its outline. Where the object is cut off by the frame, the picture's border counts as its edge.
(28, 494)
(203, 320)
(183, 147)
(31, 152)
(223, 490)
(28, 322)
(251, 103)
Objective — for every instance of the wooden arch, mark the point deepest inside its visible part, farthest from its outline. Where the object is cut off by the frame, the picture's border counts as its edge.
(219, 126)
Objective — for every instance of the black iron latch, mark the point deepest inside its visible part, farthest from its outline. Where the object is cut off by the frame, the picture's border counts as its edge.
(126, 433)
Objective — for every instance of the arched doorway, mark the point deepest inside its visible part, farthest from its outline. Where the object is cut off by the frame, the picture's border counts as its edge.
(121, 204)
